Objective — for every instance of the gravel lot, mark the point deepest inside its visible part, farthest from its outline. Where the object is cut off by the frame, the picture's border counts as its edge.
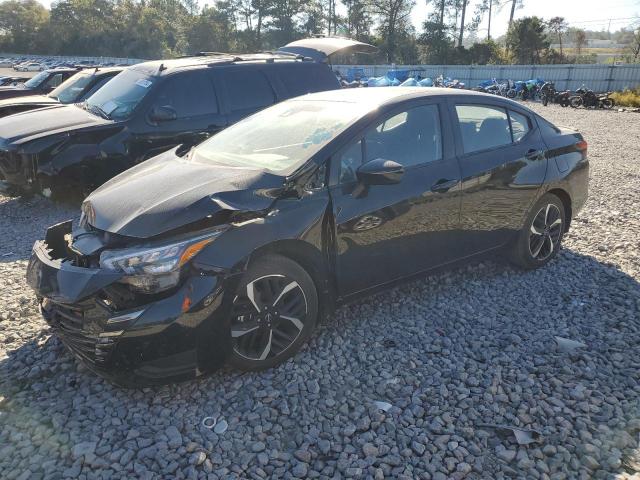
(450, 353)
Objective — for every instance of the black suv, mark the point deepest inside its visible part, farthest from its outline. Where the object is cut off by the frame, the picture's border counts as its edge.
(41, 84)
(76, 89)
(152, 107)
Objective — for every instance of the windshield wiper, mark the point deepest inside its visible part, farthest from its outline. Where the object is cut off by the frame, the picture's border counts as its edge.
(96, 110)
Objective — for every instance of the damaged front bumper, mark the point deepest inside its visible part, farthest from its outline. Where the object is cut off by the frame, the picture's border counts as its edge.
(143, 340)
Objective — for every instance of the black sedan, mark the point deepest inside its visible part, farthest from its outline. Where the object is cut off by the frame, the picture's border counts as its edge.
(235, 250)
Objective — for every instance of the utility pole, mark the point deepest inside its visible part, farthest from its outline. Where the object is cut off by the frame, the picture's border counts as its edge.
(489, 26)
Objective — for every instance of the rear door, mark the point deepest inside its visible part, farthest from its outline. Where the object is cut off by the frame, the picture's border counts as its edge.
(503, 161)
(386, 232)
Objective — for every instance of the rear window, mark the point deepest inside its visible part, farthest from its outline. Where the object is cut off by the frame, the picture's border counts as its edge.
(248, 89)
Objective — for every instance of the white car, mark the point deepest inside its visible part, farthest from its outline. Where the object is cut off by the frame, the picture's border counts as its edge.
(6, 64)
(31, 67)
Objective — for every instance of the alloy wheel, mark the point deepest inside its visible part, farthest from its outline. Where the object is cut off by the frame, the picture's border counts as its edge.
(268, 317)
(545, 232)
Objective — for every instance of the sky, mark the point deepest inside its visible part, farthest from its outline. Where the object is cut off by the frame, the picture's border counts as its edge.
(587, 14)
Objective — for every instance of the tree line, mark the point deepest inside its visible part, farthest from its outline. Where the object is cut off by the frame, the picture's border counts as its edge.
(165, 28)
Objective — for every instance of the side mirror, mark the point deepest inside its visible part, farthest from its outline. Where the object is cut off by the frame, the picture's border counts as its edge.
(380, 172)
(162, 114)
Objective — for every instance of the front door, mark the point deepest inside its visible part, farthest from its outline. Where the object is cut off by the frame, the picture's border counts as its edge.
(193, 98)
(385, 232)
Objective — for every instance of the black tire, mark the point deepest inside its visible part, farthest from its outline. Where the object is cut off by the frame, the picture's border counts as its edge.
(261, 335)
(564, 102)
(511, 93)
(608, 103)
(545, 100)
(541, 236)
(575, 102)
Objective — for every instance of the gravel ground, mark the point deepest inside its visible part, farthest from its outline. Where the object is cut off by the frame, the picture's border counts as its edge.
(450, 353)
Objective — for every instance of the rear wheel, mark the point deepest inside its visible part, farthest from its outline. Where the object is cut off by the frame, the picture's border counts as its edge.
(607, 103)
(539, 240)
(274, 312)
(575, 102)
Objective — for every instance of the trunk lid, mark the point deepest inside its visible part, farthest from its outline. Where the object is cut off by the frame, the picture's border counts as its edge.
(320, 49)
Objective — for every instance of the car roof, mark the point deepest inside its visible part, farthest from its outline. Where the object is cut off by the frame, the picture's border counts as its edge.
(379, 96)
(212, 59)
(101, 70)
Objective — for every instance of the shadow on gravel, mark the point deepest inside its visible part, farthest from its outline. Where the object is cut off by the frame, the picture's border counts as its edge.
(450, 352)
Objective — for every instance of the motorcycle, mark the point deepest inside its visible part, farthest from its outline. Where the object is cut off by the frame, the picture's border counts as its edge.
(548, 93)
(587, 98)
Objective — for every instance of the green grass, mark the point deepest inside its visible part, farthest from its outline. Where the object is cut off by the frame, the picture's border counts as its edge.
(627, 98)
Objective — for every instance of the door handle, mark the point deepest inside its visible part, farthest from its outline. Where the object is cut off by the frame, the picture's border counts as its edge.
(533, 154)
(443, 185)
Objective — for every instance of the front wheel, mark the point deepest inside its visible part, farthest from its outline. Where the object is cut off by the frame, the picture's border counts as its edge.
(545, 100)
(274, 312)
(539, 240)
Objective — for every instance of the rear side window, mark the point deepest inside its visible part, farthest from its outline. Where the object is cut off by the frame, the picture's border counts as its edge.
(302, 78)
(483, 127)
(190, 95)
(520, 125)
(98, 85)
(54, 80)
(248, 89)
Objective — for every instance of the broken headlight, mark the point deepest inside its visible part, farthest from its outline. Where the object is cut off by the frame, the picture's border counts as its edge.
(152, 269)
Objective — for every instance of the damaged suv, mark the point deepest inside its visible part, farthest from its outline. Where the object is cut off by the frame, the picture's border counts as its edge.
(234, 250)
(152, 107)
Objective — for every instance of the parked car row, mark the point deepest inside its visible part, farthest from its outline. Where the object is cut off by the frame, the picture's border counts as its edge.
(38, 64)
(230, 248)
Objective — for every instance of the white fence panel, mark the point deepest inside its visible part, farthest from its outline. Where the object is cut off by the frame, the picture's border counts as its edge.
(571, 77)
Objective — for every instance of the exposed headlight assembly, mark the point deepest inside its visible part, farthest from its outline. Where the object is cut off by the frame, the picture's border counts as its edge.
(152, 269)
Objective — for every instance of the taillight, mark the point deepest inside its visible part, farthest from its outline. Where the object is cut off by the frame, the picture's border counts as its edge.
(582, 147)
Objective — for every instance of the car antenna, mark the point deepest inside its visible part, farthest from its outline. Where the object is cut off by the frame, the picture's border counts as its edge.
(161, 67)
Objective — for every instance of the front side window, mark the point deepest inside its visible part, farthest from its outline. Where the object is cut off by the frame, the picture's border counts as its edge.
(248, 90)
(410, 138)
(483, 127)
(119, 98)
(279, 138)
(190, 95)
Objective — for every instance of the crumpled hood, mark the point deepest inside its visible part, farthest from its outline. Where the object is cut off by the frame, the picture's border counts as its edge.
(48, 120)
(168, 192)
